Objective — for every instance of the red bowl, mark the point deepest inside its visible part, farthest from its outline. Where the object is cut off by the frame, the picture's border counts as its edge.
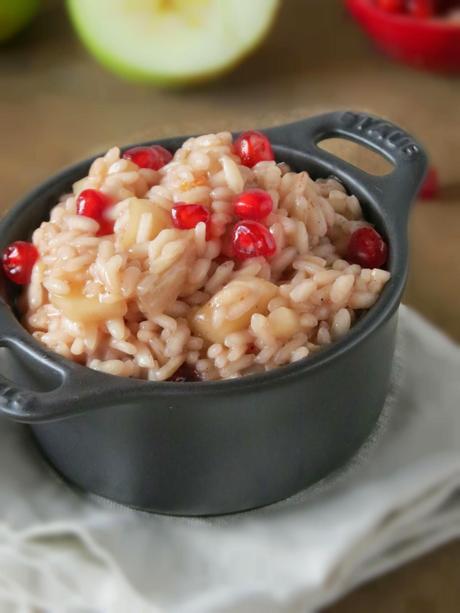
(433, 44)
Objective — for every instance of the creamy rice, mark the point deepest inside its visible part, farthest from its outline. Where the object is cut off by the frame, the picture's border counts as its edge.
(153, 301)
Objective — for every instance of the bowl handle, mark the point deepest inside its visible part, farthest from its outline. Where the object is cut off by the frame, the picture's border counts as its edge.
(394, 191)
(70, 389)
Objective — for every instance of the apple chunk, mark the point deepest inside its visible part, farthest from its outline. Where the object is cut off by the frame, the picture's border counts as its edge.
(202, 321)
(158, 219)
(87, 310)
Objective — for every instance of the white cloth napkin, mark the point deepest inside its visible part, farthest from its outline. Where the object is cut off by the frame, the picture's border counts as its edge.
(61, 551)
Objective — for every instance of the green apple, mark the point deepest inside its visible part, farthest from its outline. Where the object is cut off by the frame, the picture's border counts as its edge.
(171, 42)
(15, 15)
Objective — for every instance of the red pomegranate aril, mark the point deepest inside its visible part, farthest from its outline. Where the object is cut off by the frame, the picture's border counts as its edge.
(105, 227)
(253, 147)
(367, 248)
(391, 6)
(18, 260)
(421, 8)
(93, 203)
(153, 157)
(430, 186)
(228, 252)
(251, 239)
(188, 216)
(253, 204)
(185, 374)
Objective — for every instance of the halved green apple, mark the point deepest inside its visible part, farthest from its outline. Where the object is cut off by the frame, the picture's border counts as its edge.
(171, 42)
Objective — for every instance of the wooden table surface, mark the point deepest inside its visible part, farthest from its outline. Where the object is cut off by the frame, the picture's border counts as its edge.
(57, 105)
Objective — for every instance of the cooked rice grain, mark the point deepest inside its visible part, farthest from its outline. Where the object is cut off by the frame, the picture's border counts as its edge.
(160, 277)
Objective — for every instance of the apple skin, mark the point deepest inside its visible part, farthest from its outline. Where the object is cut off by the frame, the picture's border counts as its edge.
(176, 81)
(16, 15)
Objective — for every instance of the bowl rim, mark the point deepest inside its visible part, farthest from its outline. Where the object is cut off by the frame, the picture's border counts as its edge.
(368, 323)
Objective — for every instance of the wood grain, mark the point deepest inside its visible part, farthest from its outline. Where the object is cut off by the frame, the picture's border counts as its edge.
(57, 105)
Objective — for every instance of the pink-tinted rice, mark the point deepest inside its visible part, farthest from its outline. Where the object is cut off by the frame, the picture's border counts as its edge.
(158, 284)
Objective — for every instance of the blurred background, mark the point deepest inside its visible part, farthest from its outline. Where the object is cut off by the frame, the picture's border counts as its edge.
(58, 104)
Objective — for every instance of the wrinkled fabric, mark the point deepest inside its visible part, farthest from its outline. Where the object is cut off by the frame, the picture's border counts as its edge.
(63, 551)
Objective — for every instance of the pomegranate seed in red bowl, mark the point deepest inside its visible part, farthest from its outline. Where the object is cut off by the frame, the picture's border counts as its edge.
(416, 8)
(253, 147)
(253, 204)
(251, 239)
(391, 6)
(94, 204)
(18, 260)
(421, 8)
(367, 248)
(421, 33)
(153, 157)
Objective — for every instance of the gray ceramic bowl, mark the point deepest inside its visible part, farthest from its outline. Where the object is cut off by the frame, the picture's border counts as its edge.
(225, 446)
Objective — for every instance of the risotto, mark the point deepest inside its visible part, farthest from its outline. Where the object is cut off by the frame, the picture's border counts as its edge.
(208, 264)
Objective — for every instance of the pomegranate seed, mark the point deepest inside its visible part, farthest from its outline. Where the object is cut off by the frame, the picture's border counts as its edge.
(187, 216)
(430, 186)
(391, 6)
(153, 157)
(227, 246)
(253, 147)
(93, 203)
(18, 260)
(184, 374)
(253, 204)
(251, 239)
(367, 248)
(421, 8)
